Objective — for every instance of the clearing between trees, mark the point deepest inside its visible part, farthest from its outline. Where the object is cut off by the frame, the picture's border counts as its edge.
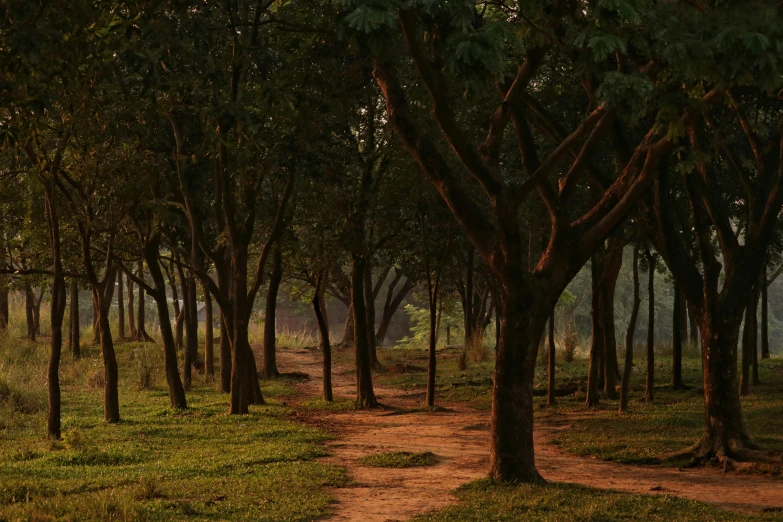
(459, 436)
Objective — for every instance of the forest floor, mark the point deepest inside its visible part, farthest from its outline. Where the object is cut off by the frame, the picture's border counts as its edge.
(457, 433)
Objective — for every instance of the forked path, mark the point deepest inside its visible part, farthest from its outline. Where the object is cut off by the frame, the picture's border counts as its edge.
(459, 436)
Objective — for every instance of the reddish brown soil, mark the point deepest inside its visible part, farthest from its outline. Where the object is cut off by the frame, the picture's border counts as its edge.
(459, 436)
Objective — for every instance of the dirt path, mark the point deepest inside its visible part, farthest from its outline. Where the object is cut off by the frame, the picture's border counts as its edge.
(460, 437)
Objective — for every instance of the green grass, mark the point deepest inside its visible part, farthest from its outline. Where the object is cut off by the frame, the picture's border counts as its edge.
(322, 405)
(673, 421)
(158, 463)
(484, 501)
(400, 459)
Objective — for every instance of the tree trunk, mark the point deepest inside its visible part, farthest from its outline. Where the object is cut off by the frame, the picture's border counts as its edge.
(74, 341)
(650, 381)
(37, 311)
(598, 337)
(3, 303)
(269, 369)
(57, 314)
(749, 345)
(614, 262)
(550, 369)
(131, 309)
(753, 340)
(511, 443)
(176, 389)
(433, 344)
(141, 329)
(725, 435)
(365, 395)
(326, 349)
(111, 401)
(694, 331)
(192, 328)
(120, 307)
(629, 335)
(348, 329)
(468, 302)
(29, 307)
(391, 305)
(185, 313)
(677, 310)
(209, 336)
(764, 317)
(369, 303)
(244, 376)
(96, 330)
(224, 278)
(178, 316)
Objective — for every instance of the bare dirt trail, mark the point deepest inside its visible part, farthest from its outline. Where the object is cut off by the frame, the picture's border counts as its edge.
(459, 436)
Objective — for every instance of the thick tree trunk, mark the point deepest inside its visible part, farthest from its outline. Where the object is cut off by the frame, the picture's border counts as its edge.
(369, 303)
(269, 369)
(550, 367)
(598, 337)
(131, 309)
(29, 307)
(326, 348)
(764, 317)
(522, 325)
(120, 307)
(649, 393)
(629, 336)
(365, 395)
(74, 340)
(725, 435)
(244, 375)
(176, 389)
(209, 336)
(224, 278)
(677, 312)
(753, 332)
(348, 329)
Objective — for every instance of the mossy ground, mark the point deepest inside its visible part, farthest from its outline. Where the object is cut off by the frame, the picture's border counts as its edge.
(158, 463)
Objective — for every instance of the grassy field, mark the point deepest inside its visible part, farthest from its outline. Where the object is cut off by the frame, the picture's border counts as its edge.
(157, 464)
(674, 420)
(484, 501)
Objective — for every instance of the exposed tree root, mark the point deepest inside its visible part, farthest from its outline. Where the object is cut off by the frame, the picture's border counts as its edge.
(739, 453)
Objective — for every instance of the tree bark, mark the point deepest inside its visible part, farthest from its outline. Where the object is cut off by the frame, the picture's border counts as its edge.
(29, 307)
(244, 375)
(131, 309)
(37, 311)
(141, 329)
(750, 345)
(209, 336)
(120, 307)
(111, 401)
(598, 337)
(74, 341)
(348, 329)
(468, 301)
(369, 303)
(649, 394)
(677, 312)
(3, 303)
(629, 335)
(614, 262)
(550, 371)
(694, 330)
(176, 389)
(764, 316)
(187, 319)
(269, 369)
(365, 395)
(326, 349)
(224, 278)
(522, 325)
